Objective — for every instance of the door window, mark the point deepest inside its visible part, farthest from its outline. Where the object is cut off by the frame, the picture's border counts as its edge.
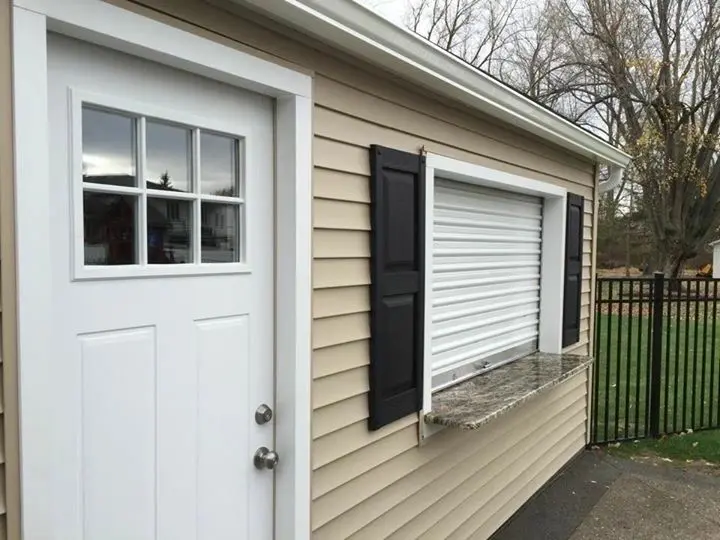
(179, 184)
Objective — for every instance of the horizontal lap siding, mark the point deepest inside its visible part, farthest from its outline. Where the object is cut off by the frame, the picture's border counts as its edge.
(342, 184)
(370, 485)
(382, 484)
(430, 489)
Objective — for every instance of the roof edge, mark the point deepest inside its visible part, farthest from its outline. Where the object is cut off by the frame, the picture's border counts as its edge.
(361, 32)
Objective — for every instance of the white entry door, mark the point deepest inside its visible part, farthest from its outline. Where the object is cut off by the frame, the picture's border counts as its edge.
(162, 262)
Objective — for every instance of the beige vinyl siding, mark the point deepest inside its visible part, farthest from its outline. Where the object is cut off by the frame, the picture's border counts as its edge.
(337, 160)
(422, 487)
(9, 437)
(382, 484)
(591, 304)
(371, 485)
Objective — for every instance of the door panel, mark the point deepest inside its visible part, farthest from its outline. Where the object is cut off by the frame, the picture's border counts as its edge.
(162, 247)
(222, 387)
(118, 390)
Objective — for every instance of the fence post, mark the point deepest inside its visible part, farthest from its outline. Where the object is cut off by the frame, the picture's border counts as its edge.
(656, 352)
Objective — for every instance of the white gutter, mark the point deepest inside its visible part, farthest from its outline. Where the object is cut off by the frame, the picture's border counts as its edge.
(357, 30)
(613, 181)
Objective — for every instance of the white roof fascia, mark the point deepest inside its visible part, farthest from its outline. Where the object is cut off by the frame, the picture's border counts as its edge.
(357, 30)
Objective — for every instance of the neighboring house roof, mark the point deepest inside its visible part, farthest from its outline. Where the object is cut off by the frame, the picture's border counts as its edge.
(125, 180)
(357, 30)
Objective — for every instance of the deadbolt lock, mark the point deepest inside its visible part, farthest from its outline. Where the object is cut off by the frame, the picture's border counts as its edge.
(263, 414)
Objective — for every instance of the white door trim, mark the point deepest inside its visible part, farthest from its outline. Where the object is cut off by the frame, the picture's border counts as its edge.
(103, 24)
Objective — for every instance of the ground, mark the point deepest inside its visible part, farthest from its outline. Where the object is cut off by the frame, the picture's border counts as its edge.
(604, 496)
(684, 449)
(654, 489)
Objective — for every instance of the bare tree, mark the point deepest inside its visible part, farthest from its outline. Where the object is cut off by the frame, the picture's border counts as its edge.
(475, 30)
(517, 41)
(538, 56)
(657, 64)
(644, 74)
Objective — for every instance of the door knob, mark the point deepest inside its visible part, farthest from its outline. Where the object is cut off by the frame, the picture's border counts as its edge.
(265, 458)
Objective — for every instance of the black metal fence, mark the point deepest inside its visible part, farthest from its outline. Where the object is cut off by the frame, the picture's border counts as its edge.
(657, 357)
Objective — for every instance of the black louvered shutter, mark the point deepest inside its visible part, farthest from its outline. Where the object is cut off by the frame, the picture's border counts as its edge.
(573, 269)
(396, 291)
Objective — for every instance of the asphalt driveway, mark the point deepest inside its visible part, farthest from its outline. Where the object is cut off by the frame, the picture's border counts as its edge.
(600, 496)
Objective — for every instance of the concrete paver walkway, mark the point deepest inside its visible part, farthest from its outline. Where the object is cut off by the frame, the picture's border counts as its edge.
(600, 496)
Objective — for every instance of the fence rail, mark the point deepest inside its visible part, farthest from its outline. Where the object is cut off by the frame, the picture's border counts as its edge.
(657, 357)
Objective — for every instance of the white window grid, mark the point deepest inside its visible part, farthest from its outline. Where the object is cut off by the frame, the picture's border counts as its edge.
(141, 114)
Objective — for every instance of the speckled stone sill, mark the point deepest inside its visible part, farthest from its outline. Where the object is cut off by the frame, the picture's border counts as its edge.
(477, 401)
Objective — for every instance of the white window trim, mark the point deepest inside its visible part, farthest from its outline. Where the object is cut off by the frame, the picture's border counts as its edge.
(119, 29)
(552, 264)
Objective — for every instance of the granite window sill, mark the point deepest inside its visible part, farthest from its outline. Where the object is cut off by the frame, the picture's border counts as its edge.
(479, 400)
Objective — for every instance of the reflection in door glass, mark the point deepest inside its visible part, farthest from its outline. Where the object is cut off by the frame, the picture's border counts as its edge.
(168, 156)
(188, 206)
(219, 165)
(108, 148)
(169, 230)
(220, 227)
(109, 223)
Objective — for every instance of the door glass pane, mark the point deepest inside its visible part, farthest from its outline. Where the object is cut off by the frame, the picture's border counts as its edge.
(219, 165)
(168, 157)
(108, 152)
(220, 225)
(109, 226)
(169, 231)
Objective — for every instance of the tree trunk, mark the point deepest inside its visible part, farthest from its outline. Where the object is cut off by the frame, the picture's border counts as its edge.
(674, 265)
(627, 251)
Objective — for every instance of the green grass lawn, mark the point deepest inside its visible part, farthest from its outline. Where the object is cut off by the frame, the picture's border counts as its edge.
(690, 374)
(704, 445)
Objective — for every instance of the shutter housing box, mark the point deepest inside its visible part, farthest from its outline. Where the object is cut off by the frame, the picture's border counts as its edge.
(397, 284)
(573, 269)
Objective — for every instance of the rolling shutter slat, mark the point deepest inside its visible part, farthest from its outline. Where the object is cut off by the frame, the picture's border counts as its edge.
(486, 278)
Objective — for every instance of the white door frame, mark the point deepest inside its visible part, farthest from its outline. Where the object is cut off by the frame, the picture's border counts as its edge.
(103, 24)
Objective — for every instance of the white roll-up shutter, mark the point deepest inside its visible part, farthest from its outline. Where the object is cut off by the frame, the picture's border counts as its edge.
(485, 278)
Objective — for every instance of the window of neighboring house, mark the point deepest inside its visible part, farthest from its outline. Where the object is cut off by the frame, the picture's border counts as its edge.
(185, 173)
(494, 270)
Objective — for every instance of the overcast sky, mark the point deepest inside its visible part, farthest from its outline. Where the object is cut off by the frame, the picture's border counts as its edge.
(393, 10)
